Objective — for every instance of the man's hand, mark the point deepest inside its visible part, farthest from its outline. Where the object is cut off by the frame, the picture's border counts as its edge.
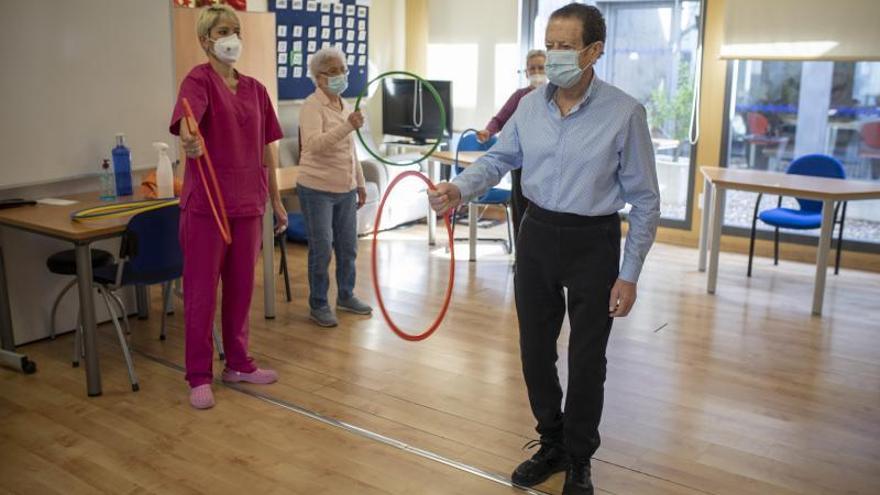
(623, 296)
(362, 197)
(446, 196)
(483, 136)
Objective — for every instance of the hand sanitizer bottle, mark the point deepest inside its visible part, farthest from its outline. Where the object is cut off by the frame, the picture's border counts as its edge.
(164, 172)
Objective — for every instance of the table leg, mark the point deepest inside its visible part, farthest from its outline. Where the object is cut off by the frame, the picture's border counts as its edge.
(142, 296)
(822, 255)
(268, 263)
(715, 236)
(705, 216)
(432, 217)
(87, 312)
(8, 356)
(472, 232)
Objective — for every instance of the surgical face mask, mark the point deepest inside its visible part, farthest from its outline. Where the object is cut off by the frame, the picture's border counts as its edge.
(537, 79)
(562, 67)
(337, 84)
(228, 49)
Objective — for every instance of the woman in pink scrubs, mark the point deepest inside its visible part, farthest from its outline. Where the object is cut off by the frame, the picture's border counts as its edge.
(235, 116)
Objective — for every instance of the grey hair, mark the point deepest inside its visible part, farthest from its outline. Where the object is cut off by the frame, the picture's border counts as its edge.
(321, 58)
(535, 53)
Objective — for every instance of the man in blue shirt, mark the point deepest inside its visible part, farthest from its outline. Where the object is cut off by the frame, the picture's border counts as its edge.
(585, 150)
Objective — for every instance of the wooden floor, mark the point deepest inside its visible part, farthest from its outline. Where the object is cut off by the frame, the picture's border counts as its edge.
(739, 393)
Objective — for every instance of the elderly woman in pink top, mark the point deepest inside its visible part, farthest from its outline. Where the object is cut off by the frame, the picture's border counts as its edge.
(235, 116)
(535, 71)
(330, 186)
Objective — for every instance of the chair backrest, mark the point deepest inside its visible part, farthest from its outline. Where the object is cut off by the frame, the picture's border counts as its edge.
(870, 133)
(816, 165)
(757, 124)
(152, 247)
(468, 142)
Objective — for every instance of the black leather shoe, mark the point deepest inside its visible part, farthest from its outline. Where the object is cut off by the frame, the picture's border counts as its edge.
(551, 458)
(578, 478)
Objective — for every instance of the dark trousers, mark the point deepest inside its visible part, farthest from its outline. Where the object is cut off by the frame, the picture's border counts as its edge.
(556, 251)
(518, 202)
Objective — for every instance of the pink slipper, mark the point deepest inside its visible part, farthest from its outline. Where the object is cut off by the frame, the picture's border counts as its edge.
(258, 376)
(201, 397)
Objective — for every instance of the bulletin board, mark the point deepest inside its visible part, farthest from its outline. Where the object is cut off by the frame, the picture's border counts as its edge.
(304, 27)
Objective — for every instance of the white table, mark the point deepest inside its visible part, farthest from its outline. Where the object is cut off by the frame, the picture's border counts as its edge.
(447, 158)
(828, 191)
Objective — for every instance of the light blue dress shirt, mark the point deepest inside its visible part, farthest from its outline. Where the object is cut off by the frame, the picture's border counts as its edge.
(591, 162)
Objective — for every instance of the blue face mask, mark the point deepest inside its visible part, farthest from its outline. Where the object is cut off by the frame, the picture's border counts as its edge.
(337, 84)
(562, 67)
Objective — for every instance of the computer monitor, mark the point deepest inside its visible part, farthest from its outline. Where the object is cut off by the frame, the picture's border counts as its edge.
(409, 109)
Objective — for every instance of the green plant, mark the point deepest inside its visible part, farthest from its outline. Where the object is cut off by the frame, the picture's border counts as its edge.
(673, 115)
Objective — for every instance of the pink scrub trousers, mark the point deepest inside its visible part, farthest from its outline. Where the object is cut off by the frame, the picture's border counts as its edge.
(207, 260)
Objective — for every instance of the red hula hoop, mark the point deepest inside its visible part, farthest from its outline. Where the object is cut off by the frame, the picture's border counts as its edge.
(427, 333)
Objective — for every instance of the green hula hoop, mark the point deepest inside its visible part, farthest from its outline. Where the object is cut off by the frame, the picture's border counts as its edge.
(434, 93)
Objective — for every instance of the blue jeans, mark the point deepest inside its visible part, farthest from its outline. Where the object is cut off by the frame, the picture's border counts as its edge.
(331, 226)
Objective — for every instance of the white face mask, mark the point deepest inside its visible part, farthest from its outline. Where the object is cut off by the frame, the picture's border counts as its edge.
(536, 80)
(228, 49)
(563, 68)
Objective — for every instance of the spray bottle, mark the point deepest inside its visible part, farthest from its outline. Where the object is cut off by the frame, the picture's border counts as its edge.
(164, 172)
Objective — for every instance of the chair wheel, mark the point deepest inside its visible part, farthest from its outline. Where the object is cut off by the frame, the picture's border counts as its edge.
(75, 364)
(161, 337)
(135, 387)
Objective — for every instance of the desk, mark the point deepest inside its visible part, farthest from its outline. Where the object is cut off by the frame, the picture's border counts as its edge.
(54, 221)
(286, 177)
(828, 191)
(465, 159)
(834, 127)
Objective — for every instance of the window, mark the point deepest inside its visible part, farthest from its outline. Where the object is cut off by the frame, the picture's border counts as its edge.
(650, 52)
(782, 110)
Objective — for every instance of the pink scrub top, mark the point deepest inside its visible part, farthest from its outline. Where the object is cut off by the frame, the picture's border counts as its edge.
(236, 127)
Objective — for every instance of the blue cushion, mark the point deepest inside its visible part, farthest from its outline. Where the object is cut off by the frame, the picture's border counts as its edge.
(296, 228)
(791, 219)
(494, 196)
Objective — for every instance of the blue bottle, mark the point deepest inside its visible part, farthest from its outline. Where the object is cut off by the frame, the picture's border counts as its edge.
(122, 166)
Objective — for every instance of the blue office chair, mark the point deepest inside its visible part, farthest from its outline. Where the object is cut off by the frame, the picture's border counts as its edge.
(809, 216)
(495, 196)
(149, 254)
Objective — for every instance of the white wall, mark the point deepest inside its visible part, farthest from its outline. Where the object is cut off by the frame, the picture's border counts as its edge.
(475, 44)
(75, 73)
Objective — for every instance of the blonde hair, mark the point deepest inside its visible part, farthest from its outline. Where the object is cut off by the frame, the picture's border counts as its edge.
(209, 16)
